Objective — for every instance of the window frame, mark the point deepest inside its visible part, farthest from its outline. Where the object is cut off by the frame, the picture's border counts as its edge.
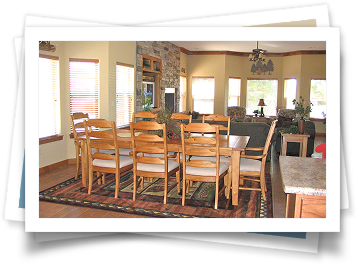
(57, 136)
(132, 99)
(97, 89)
(284, 90)
(239, 92)
(313, 118)
(192, 92)
(276, 99)
(183, 94)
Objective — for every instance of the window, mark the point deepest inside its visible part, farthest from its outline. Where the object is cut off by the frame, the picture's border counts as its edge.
(318, 98)
(234, 91)
(124, 94)
(49, 103)
(183, 83)
(289, 93)
(266, 89)
(203, 94)
(84, 86)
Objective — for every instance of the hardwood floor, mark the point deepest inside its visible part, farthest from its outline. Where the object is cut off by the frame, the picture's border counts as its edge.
(63, 173)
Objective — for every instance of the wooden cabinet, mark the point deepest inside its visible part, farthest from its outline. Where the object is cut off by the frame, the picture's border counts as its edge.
(305, 206)
(151, 64)
(152, 69)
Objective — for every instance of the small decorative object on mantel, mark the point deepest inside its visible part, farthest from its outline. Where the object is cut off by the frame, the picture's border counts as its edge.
(46, 46)
(302, 112)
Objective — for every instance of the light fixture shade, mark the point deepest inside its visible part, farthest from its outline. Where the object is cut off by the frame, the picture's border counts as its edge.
(261, 102)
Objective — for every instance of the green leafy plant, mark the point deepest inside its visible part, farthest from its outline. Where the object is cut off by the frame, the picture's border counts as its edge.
(300, 108)
(173, 129)
(146, 104)
(293, 130)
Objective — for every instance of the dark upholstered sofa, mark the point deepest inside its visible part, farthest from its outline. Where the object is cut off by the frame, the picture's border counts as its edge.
(257, 131)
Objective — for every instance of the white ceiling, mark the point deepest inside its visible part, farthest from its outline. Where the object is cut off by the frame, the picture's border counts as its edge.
(248, 46)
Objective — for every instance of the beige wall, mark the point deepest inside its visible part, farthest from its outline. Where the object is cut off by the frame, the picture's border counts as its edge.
(108, 54)
(301, 67)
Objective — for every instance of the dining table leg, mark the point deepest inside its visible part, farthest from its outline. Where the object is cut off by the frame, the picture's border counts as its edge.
(235, 175)
(84, 162)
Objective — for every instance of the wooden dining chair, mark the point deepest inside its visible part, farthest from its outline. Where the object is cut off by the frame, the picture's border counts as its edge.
(157, 165)
(220, 118)
(147, 115)
(202, 146)
(103, 139)
(181, 117)
(252, 168)
(77, 119)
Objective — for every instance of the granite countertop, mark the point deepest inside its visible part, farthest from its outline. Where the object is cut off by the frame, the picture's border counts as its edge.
(303, 175)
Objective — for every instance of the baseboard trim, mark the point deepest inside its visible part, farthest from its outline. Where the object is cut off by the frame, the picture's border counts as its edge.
(320, 134)
(56, 165)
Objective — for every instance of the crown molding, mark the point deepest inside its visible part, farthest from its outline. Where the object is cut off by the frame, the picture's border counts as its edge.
(246, 54)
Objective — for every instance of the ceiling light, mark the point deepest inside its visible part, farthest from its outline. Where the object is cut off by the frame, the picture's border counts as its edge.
(258, 54)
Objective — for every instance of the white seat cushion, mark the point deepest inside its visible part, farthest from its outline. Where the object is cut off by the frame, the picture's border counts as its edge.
(160, 168)
(125, 151)
(187, 156)
(222, 159)
(206, 171)
(247, 164)
(124, 161)
(105, 151)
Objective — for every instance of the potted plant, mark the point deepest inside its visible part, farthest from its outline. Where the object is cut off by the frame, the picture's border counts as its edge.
(302, 111)
(293, 130)
(256, 112)
(173, 129)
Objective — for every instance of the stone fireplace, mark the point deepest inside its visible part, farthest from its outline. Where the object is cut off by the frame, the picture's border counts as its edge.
(169, 74)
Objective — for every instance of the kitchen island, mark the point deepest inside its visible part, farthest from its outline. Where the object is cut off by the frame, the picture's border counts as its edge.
(304, 183)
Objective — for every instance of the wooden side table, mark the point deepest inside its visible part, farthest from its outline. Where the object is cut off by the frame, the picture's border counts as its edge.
(296, 138)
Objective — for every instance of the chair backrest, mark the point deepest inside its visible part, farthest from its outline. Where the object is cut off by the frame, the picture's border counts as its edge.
(269, 137)
(101, 136)
(206, 146)
(144, 115)
(77, 119)
(181, 117)
(218, 117)
(151, 140)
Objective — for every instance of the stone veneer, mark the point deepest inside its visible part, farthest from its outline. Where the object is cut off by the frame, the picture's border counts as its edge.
(169, 54)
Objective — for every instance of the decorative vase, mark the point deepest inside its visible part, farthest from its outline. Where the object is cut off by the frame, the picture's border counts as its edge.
(301, 125)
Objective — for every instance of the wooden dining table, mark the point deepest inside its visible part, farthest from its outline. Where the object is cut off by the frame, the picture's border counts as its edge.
(232, 145)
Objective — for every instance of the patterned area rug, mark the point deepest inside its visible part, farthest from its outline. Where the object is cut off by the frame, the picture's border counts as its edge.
(149, 201)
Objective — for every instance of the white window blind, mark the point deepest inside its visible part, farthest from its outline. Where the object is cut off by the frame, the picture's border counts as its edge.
(49, 104)
(203, 94)
(84, 86)
(124, 94)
